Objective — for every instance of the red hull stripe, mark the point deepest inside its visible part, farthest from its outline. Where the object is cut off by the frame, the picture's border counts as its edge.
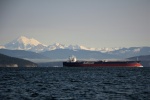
(103, 65)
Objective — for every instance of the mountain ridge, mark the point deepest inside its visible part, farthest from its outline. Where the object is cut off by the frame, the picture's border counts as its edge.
(24, 47)
(31, 44)
(22, 43)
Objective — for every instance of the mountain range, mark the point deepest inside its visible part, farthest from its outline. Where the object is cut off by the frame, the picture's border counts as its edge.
(30, 44)
(30, 48)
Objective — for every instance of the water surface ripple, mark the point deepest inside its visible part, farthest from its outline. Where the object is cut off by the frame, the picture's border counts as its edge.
(75, 83)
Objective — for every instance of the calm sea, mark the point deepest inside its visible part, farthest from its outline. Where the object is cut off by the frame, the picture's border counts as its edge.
(74, 83)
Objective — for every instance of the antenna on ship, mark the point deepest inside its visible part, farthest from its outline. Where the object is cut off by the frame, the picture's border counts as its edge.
(137, 59)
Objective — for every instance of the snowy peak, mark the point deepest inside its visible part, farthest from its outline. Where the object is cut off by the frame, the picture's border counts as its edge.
(26, 41)
(62, 46)
(58, 45)
(55, 46)
(73, 47)
(23, 43)
(79, 47)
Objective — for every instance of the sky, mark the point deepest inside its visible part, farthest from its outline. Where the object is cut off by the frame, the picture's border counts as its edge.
(91, 23)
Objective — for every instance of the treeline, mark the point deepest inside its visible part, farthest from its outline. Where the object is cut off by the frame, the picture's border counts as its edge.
(7, 60)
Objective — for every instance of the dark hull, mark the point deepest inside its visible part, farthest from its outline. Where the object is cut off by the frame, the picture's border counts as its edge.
(102, 64)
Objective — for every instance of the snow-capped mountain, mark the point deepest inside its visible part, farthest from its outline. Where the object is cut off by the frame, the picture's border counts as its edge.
(30, 44)
(61, 51)
(62, 46)
(55, 46)
(76, 47)
(24, 43)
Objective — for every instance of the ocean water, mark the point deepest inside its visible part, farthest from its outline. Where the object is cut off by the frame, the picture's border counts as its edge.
(74, 83)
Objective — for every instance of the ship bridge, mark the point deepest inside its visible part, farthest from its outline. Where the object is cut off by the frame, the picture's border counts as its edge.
(72, 59)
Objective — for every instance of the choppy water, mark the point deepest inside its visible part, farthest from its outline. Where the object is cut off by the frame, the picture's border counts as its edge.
(75, 83)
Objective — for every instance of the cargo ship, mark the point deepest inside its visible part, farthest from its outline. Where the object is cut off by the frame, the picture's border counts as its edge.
(73, 62)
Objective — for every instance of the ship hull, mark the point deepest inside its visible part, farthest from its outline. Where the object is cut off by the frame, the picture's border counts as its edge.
(103, 64)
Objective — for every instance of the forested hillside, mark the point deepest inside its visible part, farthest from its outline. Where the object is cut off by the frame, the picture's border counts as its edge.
(7, 61)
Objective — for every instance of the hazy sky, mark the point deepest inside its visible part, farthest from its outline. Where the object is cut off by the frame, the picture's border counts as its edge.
(91, 23)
